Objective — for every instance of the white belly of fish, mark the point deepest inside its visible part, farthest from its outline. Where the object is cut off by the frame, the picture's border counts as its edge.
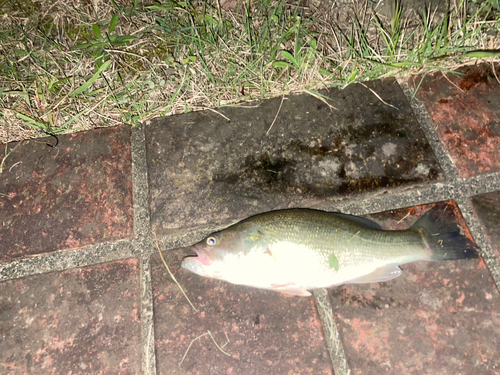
(286, 263)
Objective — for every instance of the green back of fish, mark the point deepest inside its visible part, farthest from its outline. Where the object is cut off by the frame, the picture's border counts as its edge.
(338, 239)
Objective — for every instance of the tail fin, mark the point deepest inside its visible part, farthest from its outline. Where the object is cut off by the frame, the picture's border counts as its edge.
(442, 236)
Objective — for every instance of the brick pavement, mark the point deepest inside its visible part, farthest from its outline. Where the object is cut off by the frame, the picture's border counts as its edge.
(84, 290)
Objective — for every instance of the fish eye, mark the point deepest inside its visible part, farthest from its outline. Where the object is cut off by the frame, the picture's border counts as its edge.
(211, 241)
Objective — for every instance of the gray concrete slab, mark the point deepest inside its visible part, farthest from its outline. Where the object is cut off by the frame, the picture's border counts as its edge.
(203, 169)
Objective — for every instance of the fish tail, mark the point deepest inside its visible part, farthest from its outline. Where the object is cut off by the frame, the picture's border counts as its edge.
(442, 236)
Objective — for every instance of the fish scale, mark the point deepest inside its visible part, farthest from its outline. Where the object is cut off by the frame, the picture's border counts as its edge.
(351, 243)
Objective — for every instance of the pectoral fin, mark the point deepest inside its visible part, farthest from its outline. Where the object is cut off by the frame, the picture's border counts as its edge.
(291, 289)
(384, 273)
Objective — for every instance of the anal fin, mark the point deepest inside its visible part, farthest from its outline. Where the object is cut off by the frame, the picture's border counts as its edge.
(384, 273)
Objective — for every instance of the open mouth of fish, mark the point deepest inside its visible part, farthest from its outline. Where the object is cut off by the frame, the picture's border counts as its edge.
(200, 255)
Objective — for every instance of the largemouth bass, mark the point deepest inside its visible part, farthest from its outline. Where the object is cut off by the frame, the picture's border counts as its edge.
(293, 251)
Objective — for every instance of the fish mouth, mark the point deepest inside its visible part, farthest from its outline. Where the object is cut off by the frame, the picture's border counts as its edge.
(201, 256)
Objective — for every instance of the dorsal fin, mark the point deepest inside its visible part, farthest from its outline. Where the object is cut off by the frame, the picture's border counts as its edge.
(359, 220)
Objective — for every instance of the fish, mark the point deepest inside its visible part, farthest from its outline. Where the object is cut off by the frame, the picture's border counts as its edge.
(294, 251)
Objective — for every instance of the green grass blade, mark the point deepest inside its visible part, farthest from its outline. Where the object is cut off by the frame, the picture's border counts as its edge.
(113, 23)
(287, 55)
(32, 122)
(97, 31)
(87, 84)
(483, 54)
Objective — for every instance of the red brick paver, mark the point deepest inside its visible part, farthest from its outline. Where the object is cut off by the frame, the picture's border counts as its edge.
(465, 110)
(436, 318)
(79, 321)
(264, 332)
(75, 194)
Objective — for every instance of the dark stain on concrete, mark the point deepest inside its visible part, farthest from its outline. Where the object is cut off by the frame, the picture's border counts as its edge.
(312, 152)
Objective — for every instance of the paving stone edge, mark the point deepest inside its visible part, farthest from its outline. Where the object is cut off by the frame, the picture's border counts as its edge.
(67, 259)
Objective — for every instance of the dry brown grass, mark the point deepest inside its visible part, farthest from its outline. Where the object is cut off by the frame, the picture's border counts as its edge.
(203, 55)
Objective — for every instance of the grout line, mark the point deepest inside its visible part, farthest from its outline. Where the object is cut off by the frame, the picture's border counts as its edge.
(461, 189)
(147, 317)
(415, 195)
(142, 231)
(332, 337)
(478, 185)
(476, 229)
(63, 260)
(356, 205)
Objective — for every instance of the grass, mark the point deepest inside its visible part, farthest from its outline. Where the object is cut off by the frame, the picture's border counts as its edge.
(72, 66)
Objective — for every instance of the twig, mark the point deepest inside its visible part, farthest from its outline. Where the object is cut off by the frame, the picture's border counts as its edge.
(408, 214)
(14, 149)
(494, 72)
(354, 236)
(13, 165)
(172, 275)
(378, 96)
(220, 114)
(449, 80)
(277, 113)
(199, 337)
(227, 342)
(321, 97)
(217, 345)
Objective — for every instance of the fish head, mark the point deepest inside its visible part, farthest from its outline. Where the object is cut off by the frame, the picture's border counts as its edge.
(223, 253)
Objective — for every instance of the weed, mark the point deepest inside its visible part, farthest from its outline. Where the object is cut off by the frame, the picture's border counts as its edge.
(85, 65)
